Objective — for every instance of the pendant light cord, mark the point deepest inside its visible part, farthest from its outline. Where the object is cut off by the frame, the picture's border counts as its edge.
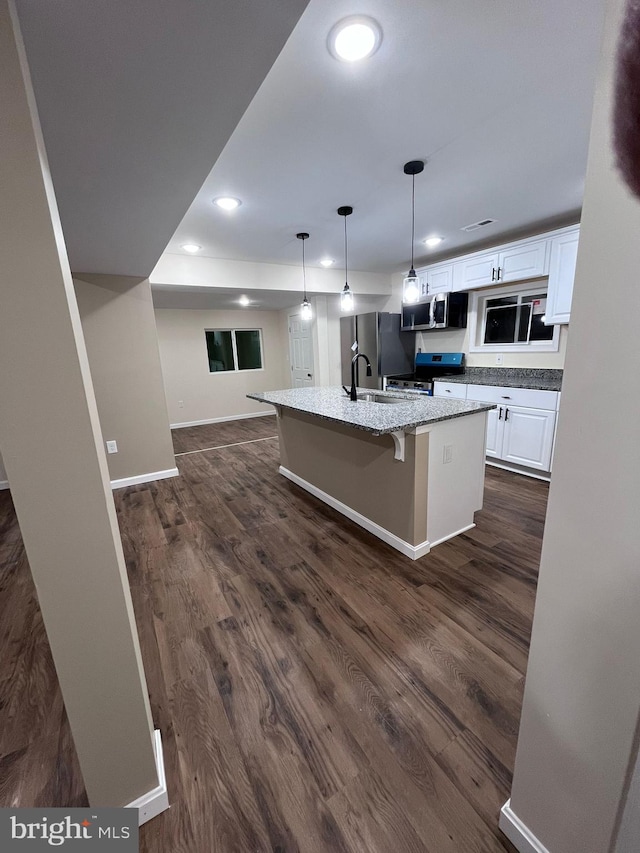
(346, 255)
(304, 274)
(413, 215)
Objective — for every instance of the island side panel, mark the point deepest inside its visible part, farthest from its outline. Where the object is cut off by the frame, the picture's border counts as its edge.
(455, 487)
(357, 468)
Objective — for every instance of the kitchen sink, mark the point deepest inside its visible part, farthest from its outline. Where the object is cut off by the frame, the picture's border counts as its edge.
(381, 398)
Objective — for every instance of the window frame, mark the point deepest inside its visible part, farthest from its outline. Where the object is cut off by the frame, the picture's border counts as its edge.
(477, 319)
(234, 350)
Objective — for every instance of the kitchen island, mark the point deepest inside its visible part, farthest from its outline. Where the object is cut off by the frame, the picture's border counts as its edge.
(407, 468)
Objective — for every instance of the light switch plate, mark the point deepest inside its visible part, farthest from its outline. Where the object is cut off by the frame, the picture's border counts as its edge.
(112, 447)
(499, 358)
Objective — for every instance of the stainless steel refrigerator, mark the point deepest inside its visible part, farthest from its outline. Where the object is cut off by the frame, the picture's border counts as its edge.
(378, 336)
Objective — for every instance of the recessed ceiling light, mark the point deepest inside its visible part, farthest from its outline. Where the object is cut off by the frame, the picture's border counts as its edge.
(192, 248)
(326, 262)
(244, 301)
(431, 242)
(354, 38)
(227, 202)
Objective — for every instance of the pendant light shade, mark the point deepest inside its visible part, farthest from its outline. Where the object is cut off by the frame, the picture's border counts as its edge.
(306, 312)
(411, 285)
(346, 297)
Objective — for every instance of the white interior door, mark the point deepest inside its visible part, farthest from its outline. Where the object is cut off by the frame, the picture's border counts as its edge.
(300, 352)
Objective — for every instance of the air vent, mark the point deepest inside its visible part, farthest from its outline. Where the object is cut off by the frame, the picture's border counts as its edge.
(477, 225)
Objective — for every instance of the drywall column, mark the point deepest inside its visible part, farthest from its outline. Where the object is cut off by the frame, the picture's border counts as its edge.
(119, 327)
(582, 692)
(53, 453)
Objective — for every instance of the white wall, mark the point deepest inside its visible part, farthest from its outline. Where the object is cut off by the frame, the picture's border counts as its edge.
(582, 694)
(185, 367)
(122, 344)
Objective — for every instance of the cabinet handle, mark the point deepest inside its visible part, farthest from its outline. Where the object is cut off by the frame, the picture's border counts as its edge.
(505, 397)
(506, 414)
(499, 271)
(493, 273)
(500, 413)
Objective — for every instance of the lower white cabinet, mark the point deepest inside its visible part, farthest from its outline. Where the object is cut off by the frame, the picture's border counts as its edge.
(520, 431)
(527, 436)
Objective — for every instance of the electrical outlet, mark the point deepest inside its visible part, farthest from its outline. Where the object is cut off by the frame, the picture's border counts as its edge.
(447, 455)
(181, 404)
(112, 447)
(499, 358)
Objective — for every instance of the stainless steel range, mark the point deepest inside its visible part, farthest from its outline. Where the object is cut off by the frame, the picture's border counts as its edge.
(428, 366)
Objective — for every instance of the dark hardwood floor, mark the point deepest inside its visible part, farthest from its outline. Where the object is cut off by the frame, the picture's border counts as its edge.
(316, 690)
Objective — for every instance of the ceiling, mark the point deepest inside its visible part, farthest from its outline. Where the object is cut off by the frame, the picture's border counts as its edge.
(495, 96)
(150, 107)
(137, 99)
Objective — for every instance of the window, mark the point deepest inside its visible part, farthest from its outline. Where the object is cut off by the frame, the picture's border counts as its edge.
(512, 320)
(234, 349)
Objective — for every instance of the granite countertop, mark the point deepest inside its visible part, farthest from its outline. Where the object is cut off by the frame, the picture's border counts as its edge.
(332, 404)
(510, 377)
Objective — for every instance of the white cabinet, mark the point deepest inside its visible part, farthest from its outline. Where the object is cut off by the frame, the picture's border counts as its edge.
(494, 433)
(527, 259)
(455, 390)
(477, 270)
(562, 270)
(437, 279)
(528, 437)
(521, 430)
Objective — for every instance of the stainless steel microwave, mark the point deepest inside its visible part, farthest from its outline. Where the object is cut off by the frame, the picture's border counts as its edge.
(440, 311)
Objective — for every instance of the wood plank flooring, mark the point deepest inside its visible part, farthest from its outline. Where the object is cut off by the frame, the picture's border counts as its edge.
(316, 691)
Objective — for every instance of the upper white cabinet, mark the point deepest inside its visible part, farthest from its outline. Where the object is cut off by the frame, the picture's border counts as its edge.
(527, 259)
(439, 278)
(435, 279)
(553, 254)
(562, 270)
(477, 270)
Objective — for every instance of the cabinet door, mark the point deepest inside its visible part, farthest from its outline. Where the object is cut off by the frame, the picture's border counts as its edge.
(439, 279)
(495, 427)
(476, 271)
(562, 270)
(528, 437)
(526, 261)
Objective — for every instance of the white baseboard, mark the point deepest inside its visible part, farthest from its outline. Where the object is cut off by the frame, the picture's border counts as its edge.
(221, 420)
(154, 802)
(451, 535)
(4, 484)
(526, 472)
(518, 834)
(414, 552)
(144, 478)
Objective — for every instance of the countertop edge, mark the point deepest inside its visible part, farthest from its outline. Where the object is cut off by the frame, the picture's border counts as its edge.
(478, 407)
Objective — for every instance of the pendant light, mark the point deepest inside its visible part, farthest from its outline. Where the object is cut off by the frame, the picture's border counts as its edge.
(306, 312)
(410, 285)
(346, 297)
